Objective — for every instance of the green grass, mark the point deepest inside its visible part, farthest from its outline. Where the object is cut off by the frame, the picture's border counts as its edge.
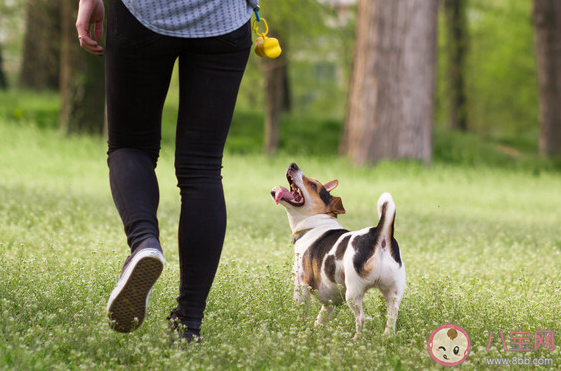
(478, 229)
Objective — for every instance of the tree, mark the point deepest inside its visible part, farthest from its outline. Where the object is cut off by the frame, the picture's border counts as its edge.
(390, 102)
(277, 96)
(82, 85)
(40, 68)
(3, 80)
(456, 34)
(276, 87)
(547, 24)
(288, 26)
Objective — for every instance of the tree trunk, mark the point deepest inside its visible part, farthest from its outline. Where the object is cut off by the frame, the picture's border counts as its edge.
(82, 85)
(390, 102)
(40, 68)
(3, 80)
(547, 23)
(456, 37)
(277, 98)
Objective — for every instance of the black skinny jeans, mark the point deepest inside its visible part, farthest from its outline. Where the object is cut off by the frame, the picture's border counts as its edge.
(139, 65)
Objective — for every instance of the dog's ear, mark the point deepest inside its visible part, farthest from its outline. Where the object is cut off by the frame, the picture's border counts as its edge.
(336, 206)
(329, 186)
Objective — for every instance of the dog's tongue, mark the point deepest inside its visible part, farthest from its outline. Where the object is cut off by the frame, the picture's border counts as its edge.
(282, 193)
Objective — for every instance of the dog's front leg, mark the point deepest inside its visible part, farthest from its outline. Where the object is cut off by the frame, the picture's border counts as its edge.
(324, 314)
(301, 290)
(301, 294)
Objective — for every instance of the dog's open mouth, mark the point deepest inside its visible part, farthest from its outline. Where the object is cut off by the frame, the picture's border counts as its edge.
(293, 196)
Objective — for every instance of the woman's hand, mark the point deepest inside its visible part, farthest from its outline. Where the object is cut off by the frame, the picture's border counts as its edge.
(90, 12)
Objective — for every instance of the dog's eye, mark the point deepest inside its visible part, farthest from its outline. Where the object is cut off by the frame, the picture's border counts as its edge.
(314, 186)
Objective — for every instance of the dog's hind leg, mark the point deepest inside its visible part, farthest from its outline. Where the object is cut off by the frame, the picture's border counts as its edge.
(393, 298)
(356, 306)
(325, 314)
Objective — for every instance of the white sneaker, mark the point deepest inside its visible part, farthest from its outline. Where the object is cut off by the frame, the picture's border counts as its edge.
(127, 304)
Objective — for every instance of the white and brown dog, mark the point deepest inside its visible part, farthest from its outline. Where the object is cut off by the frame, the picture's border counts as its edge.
(336, 264)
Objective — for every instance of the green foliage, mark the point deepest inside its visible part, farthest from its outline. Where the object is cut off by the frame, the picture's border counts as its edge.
(501, 71)
(38, 108)
(475, 150)
(318, 46)
(11, 37)
(301, 134)
(292, 16)
(246, 134)
(502, 98)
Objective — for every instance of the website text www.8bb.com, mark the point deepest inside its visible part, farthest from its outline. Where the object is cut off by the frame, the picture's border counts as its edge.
(519, 361)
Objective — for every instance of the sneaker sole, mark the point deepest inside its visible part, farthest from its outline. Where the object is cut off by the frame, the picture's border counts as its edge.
(127, 304)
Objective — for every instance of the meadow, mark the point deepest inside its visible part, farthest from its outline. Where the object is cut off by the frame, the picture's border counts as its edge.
(478, 230)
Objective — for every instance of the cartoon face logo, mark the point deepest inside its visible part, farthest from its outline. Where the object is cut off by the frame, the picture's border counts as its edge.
(449, 345)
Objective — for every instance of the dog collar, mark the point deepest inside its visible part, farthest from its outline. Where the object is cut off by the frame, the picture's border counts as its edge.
(296, 238)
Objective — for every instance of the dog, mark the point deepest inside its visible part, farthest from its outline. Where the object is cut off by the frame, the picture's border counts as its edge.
(335, 264)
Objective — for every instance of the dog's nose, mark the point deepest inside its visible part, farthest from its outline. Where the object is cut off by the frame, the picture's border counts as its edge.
(294, 167)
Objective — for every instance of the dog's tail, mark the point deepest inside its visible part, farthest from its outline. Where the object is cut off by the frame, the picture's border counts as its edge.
(386, 212)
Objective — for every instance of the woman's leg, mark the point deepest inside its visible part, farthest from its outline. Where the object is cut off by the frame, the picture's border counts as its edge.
(138, 73)
(138, 70)
(210, 73)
